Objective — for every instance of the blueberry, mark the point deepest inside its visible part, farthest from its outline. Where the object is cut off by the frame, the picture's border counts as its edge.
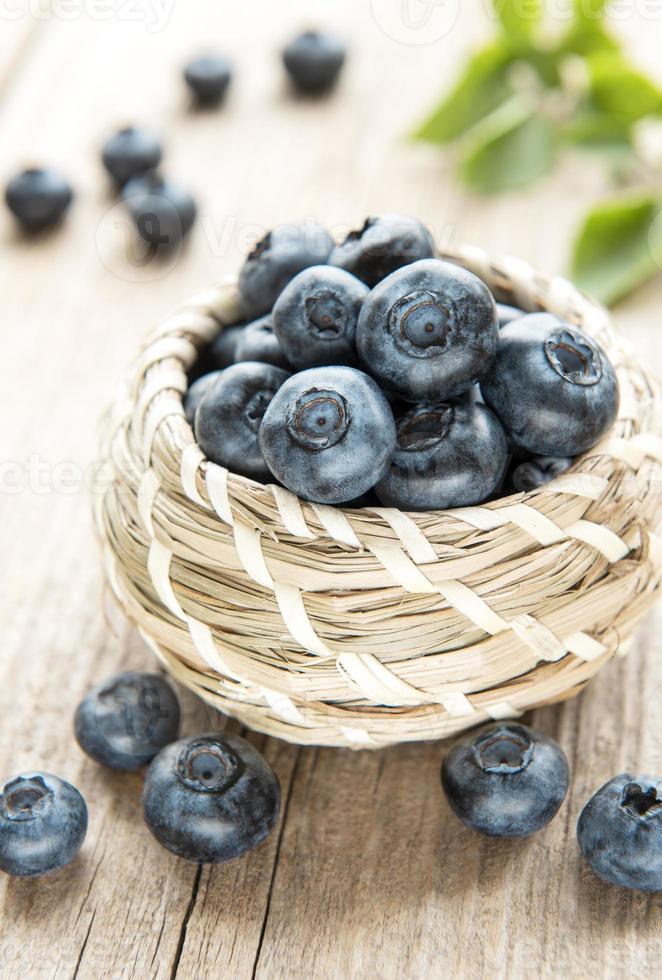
(506, 781)
(314, 60)
(126, 720)
(620, 832)
(552, 386)
(193, 396)
(224, 348)
(276, 259)
(38, 198)
(328, 434)
(449, 454)
(208, 78)
(230, 413)
(315, 316)
(258, 342)
(210, 798)
(506, 314)
(428, 331)
(43, 822)
(163, 212)
(536, 472)
(130, 153)
(383, 245)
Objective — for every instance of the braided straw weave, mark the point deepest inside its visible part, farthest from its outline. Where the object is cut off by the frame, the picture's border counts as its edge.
(362, 628)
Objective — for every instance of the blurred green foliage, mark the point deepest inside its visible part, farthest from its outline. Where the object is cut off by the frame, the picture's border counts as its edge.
(525, 96)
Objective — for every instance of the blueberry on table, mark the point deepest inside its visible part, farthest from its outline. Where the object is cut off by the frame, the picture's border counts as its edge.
(383, 245)
(224, 347)
(210, 798)
(163, 212)
(208, 78)
(506, 781)
(315, 317)
(620, 832)
(552, 386)
(258, 342)
(193, 396)
(38, 198)
(449, 454)
(506, 314)
(129, 153)
(229, 416)
(313, 61)
(536, 472)
(277, 258)
(43, 822)
(328, 435)
(126, 720)
(428, 331)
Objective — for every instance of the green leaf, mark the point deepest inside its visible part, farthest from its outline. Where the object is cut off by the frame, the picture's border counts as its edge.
(519, 18)
(619, 247)
(597, 130)
(479, 90)
(619, 89)
(511, 147)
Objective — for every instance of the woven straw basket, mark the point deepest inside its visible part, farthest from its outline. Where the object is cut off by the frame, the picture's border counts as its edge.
(362, 628)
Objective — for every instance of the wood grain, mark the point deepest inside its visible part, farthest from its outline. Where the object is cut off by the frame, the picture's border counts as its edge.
(368, 874)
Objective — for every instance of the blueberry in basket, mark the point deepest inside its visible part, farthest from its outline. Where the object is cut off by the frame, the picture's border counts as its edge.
(552, 386)
(448, 454)
(277, 258)
(428, 331)
(620, 832)
(208, 77)
(43, 822)
(383, 245)
(224, 348)
(313, 60)
(315, 317)
(129, 153)
(258, 341)
(533, 473)
(328, 434)
(229, 415)
(162, 211)
(125, 721)
(506, 781)
(506, 314)
(195, 392)
(210, 798)
(38, 198)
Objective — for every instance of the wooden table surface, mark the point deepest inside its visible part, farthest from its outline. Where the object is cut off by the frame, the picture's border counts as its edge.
(367, 874)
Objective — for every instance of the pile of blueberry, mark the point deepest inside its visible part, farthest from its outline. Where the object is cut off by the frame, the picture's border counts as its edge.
(371, 369)
(162, 211)
(207, 798)
(212, 797)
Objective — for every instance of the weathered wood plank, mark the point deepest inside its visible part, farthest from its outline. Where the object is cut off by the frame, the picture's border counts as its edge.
(368, 873)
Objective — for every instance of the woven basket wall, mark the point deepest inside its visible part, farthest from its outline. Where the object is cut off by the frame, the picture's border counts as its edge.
(362, 628)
